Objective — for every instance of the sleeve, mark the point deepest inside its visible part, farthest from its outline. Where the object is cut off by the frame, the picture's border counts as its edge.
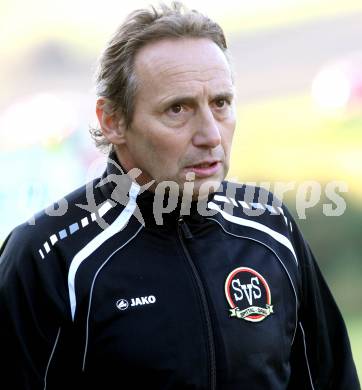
(30, 325)
(321, 356)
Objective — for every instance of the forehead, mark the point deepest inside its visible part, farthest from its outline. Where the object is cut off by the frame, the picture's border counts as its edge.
(172, 65)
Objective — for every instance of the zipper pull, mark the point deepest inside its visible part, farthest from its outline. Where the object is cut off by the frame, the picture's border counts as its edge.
(185, 229)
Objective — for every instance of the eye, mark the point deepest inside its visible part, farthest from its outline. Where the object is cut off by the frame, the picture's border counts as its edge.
(176, 108)
(221, 103)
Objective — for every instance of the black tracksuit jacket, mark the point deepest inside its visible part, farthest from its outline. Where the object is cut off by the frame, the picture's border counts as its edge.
(103, 297)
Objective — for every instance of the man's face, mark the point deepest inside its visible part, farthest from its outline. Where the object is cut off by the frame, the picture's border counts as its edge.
(184, 116)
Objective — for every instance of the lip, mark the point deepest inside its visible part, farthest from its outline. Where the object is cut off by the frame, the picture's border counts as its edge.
(210, 168)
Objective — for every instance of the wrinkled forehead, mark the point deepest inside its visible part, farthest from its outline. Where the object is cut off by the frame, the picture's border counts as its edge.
(182, 63)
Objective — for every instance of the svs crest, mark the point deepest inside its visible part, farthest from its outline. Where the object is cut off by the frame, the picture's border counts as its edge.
(248, 295)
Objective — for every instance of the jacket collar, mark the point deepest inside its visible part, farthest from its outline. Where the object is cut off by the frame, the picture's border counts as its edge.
(119, 186)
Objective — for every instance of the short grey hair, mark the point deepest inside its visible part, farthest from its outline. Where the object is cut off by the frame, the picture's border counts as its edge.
(116, 81)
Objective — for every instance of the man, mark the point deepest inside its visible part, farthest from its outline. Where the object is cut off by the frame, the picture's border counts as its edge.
(160, 275)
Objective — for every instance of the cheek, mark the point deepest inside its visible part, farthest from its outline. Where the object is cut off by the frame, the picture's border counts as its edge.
(169, 147)
(164, 147)
(227, 138)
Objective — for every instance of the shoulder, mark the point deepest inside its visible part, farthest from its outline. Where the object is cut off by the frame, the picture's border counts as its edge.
(258, 205)
(255, 214)
(64, 220)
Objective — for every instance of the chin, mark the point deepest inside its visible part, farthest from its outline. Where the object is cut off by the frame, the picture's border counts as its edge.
(204, 189)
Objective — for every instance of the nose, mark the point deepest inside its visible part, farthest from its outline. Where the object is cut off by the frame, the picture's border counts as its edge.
(207, 133)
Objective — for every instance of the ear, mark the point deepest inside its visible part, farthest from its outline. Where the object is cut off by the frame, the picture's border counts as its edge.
(112, 126)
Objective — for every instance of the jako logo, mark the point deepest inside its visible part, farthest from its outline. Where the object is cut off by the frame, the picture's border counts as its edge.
(123, 304)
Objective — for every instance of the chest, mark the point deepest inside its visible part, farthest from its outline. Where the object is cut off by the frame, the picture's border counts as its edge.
(179, 308)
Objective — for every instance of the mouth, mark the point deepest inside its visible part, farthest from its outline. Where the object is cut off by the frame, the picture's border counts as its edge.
(205, 168)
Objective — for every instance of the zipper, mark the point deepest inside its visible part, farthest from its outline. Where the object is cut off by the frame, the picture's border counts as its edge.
(185, 233)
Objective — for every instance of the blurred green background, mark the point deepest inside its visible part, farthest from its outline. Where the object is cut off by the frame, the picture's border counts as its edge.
(298, 66)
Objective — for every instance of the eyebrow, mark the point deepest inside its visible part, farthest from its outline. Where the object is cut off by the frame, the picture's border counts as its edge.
(225, 95)
(190, 99)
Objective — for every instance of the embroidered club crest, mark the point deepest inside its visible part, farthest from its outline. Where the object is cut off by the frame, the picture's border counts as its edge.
(248, 295)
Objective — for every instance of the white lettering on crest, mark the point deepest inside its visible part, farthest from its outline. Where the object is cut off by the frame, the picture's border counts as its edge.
(251, 290)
